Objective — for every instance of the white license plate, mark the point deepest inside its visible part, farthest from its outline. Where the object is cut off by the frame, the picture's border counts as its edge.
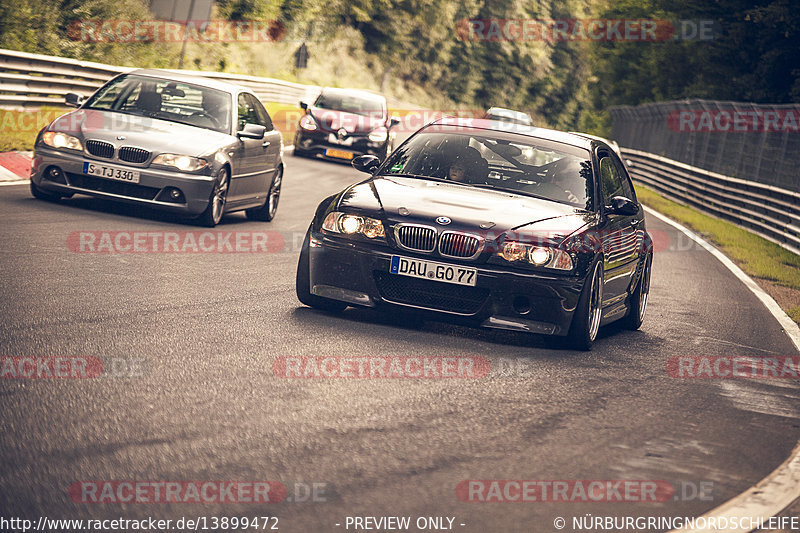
(112, 173)
(417, 268)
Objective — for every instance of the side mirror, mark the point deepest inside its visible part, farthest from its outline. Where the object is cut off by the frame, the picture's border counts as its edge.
(252, 131)
(303, 106)
(394, 121)
(366, 163)
(622, 206)
(73, 99)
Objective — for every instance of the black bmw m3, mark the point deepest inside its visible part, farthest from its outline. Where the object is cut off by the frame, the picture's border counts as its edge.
(500, 226)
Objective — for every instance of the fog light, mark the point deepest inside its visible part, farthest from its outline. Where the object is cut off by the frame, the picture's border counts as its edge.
(174, 194)
(522, 305)
(55, 174)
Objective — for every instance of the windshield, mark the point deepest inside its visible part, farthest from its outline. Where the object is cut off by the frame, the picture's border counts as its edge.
(350, 104)
(186, 103)
(514, 163)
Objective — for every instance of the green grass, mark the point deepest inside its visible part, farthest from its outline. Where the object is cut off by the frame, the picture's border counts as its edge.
(757, 256)
(18, 128)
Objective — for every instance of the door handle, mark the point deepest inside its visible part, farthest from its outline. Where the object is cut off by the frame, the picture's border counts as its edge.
(265, 144)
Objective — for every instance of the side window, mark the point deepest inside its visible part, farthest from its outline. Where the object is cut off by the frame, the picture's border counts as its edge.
(247, 112)
(627, 186)
(610, 178)
(263, 117)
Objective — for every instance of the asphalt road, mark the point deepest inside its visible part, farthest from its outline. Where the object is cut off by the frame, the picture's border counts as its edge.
(206, 328)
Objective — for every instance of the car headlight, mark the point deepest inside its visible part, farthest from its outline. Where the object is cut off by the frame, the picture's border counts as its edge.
(378, 135)
(308, 123)
(540, 256)
(57, 139)
(181, 162)
(347, 224)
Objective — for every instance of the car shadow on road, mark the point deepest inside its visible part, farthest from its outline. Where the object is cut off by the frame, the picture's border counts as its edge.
(101, 205)
(402, 324)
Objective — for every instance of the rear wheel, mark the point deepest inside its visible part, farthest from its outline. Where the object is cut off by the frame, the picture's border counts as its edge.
(638, 301)
(586, 321)
(216, 203)
(303, 283)
(267, 212)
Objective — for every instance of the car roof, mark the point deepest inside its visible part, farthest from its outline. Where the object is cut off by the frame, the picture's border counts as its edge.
(502, 111)
(190, 78)
(355, 92)
(521, 129)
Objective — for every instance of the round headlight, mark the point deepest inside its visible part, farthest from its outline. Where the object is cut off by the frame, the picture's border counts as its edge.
(378, 135)
(350, 224)
(513, 251)
(539, 256)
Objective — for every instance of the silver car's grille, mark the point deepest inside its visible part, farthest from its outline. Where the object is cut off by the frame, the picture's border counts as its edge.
(464, 245)
(133, 155)
(100, 149)
(417, 238)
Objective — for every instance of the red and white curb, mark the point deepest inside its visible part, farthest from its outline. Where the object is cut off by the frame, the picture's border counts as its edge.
(15, 168)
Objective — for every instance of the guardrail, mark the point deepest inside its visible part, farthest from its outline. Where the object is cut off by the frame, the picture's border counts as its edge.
(769, 211)
(36, 80)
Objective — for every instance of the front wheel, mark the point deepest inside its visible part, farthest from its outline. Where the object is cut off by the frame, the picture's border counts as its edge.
(586, 320)
(267, 212)
(44, 195)
(638, 301)
(303, 283)
(216, 202)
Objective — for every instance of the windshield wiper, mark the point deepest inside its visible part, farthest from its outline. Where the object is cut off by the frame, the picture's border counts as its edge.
(419, 176)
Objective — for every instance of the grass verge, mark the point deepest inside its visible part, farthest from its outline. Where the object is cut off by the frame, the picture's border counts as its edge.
(776, 269)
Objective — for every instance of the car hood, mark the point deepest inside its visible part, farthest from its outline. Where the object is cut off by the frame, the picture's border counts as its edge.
(469, 208)
(332, 120)
(153, 134)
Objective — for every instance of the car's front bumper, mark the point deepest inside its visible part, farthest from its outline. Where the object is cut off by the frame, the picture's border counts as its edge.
(318, 143)
(152, 189)
(358, 273)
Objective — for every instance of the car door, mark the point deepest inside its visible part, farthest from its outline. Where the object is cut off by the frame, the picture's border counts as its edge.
(268, 161)
(619, 233)
(245, 177)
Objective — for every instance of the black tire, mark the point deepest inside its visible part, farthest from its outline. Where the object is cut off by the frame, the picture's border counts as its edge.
(303, 284)
(586, 320)
(638, 302)
(216, 202)
(45, 195)
(266, 212)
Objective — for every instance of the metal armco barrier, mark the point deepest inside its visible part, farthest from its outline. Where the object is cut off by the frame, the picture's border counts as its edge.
(36, 80)
(755, 142)
(771, 212)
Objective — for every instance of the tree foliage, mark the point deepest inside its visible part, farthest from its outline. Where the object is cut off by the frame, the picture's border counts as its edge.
(754, 55)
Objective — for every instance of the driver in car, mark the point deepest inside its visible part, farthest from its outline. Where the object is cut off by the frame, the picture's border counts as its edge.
(467, 166)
